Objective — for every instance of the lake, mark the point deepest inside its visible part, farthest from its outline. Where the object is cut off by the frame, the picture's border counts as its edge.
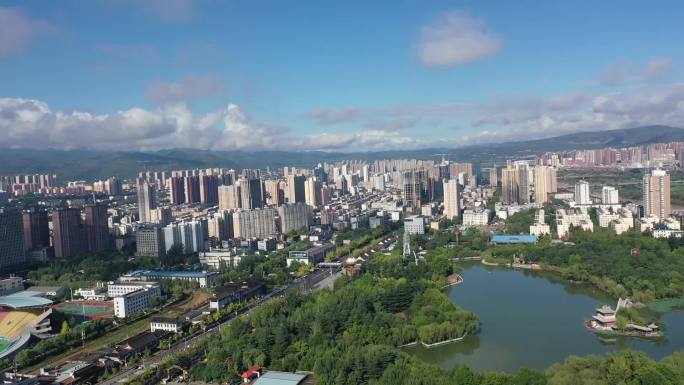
(534, 319)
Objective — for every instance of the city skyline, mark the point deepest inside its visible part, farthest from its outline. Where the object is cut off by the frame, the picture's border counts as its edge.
(150, 75)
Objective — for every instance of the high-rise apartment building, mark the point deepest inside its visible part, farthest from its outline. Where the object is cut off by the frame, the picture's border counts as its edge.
(544, 183)
(295, 189)
(493, 177)
(609, 195)
(259, 223)
(96, 227)
(113, 186)
(11, 238)
(147, 199)
(209, 190)
(452, 205)
(582, 193)
(515, 183)
(68, 233)
(36, 229)
(192, 189)
(294, 216)
(275, 195)
(412, 189)
(656, 194)
(250, 193)
(177, 190)
(229, 197)
(312, 192)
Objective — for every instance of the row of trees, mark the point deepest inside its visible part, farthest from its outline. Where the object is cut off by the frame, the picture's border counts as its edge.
(631, 264)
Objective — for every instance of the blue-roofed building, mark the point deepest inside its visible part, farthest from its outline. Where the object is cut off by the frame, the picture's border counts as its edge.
(203, 278)
(24, 299)
(513, 239)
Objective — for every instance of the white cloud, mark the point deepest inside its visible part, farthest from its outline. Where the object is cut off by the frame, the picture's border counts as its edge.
(188, 88)
(28, 123)
(624, 72)
(456, 38)
(18, 30)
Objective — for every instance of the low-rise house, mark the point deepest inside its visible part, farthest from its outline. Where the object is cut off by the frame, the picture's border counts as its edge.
(234, 292)
(167, 324)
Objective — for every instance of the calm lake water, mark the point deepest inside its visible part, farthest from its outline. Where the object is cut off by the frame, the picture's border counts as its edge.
(531, 319)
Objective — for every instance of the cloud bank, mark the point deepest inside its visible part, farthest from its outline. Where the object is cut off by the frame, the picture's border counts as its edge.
(28, 123)
(456, 38)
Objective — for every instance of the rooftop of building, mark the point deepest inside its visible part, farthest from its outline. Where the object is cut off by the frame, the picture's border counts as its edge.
(171, 274)
(24, 299)
(281, 378)
(503, 238)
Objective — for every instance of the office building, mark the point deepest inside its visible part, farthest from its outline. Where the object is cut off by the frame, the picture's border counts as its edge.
(452, 205)
(149, 242)
(96, 227)
(68, 233)
(656, 194)
(147, 200)
(582, 193)
(12, 251)
(294, 217)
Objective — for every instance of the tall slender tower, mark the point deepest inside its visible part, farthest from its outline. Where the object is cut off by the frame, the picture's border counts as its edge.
(147, 200)
(451, 200)
(68, 235)
(97, 229)
(656, 192)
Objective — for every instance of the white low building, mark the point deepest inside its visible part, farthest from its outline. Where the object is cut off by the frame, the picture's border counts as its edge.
(166, 324)
(217, 259)
(135, 302)
(475, 217)
(646, 223)
(117, 289)
(92, 293)
(573, 217)
(414, 225)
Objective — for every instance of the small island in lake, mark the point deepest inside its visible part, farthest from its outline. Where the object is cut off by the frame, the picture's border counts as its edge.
(624, 320)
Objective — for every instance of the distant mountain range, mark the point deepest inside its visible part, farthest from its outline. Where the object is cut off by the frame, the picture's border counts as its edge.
(92, 164)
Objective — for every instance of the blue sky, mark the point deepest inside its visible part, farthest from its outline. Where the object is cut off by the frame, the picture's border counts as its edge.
(330, 75)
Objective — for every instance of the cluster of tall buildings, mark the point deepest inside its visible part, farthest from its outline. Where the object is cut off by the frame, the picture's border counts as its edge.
(27, 234)
(652, 155)
(523, 184)
(24, 184)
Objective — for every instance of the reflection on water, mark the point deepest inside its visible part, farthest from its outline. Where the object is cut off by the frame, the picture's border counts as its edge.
(534, 319)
